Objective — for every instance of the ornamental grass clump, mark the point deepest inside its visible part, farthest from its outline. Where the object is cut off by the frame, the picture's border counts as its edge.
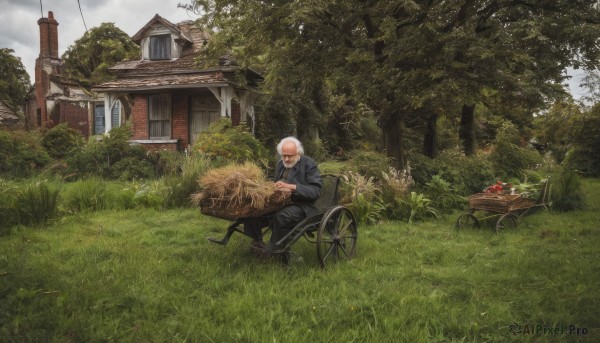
(238, 190)
(362, 194)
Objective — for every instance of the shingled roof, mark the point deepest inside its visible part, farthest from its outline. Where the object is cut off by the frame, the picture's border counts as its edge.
(182, 72)
(7, 115)
(169, 81)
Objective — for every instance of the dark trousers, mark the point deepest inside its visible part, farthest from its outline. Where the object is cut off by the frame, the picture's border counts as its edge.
(281, 222)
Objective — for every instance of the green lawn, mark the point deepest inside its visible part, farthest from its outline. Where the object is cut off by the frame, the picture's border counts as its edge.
(151, 276)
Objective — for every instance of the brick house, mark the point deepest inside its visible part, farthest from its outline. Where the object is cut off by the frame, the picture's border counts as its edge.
(170, 98)
(55, 98)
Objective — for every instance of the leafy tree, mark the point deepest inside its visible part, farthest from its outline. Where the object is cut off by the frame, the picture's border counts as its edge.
(509, 157)
(404, 58)
(14, 80)
(551, 128)
(101, 47)
(584, 136)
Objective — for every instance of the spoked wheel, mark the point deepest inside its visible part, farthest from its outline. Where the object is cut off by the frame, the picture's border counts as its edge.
(336, 238)
(507, 221)
(467, 221)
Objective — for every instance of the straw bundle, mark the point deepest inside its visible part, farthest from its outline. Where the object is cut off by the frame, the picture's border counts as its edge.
(238, 191)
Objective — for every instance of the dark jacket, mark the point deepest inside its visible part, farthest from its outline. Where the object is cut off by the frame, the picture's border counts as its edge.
(307, 178)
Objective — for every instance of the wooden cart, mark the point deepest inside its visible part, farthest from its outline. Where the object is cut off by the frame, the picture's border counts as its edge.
(507, 208)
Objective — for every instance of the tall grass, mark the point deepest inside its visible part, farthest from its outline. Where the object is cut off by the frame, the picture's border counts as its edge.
(8, 212)
(95, 194)
(151, 276)
(36, 202)
(566, 191)
(181, 187)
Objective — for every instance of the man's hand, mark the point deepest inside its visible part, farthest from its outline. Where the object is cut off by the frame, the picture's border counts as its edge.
(281, 184)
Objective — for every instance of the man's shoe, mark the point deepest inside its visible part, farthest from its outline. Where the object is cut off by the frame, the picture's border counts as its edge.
(258, 248)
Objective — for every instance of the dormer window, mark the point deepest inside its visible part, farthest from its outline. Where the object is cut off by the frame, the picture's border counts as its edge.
(160, 47)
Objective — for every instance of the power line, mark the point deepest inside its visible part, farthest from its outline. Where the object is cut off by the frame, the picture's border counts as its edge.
(81, 15)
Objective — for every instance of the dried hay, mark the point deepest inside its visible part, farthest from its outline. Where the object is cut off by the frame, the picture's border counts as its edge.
(238, 191)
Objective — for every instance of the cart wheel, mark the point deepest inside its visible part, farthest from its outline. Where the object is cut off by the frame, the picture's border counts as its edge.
(336, 238)
(507, 221)
(466, 221)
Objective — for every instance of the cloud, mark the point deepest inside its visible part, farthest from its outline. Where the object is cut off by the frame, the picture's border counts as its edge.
(19, 29)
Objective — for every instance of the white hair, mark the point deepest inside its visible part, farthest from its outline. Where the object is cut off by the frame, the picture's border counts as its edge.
(293, 139)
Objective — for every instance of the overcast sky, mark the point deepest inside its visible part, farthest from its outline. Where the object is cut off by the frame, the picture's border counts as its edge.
(19, 30)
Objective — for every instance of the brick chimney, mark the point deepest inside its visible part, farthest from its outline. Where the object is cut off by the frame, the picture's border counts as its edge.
(47, 63)
(48, 36)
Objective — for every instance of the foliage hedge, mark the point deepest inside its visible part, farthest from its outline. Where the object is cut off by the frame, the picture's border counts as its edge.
(21, 153)
(111, 156)
(60, 140)
(509, 157)
(465, 174)
(585, 137)
(224, 143)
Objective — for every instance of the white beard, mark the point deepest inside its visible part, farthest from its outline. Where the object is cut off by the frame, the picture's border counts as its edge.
(291, 164)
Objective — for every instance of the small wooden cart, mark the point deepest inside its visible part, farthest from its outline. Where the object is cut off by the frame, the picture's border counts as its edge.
(508, 208)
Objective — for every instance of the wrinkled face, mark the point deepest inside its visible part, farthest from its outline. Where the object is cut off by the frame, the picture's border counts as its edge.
(289, 154)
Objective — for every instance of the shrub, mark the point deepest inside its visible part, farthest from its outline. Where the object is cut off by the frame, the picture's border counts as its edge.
(365, 162)
(224, 143)
(367, 211)
(167, 162)
(566, 192)
(443, 195)
(396, 183)
(36, 202)
(101, 157)
(369, 163)
(415, 207)
(131, 168)
(363, 197)
(507, 157)
(151, 194)
(585, 137)
(315, 149)
(466, 174)
(61, 140)
(584, 160)
(335, 167)
(21, 153)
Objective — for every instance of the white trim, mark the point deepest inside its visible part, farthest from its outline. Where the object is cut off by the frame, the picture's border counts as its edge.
(216, 93)
(159, 88)
(153, 141)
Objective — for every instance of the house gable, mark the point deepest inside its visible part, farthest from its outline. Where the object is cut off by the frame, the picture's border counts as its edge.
(160, 39)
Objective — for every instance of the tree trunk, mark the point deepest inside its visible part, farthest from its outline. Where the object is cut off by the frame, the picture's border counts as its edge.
(392, 126)
(430, 142)
(466, 132)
